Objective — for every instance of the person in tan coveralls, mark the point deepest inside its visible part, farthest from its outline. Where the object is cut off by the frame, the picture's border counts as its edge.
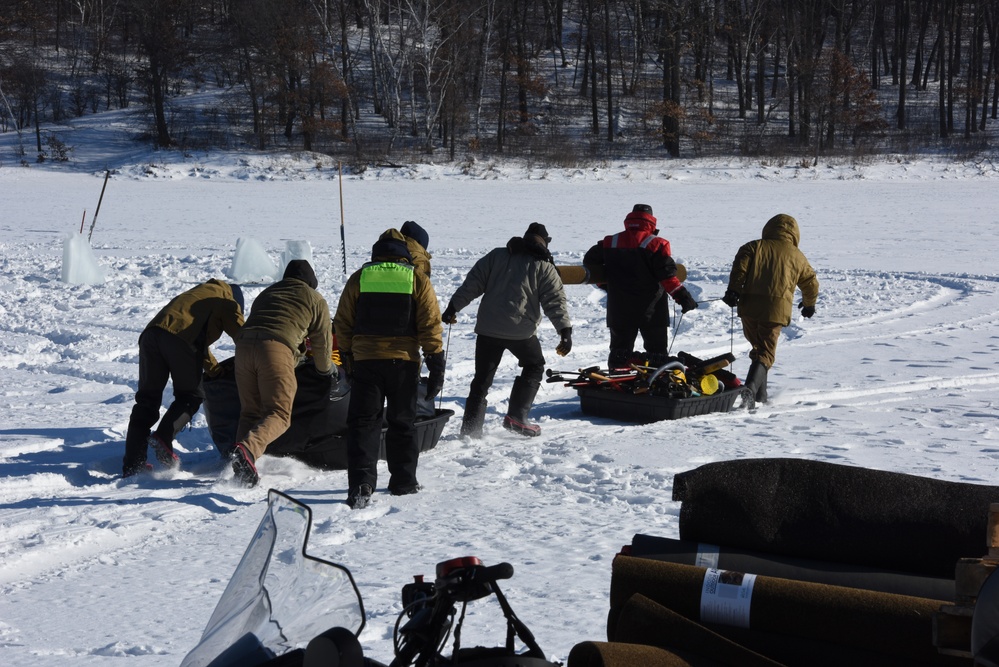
(764, 276)
(269, 348)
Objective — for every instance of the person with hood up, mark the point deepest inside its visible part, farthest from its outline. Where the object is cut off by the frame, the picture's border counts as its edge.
(175, 344)
(387, 313)
(639, 272)
(761, 284)
(269, 348)
(417, 243)
(516, 282)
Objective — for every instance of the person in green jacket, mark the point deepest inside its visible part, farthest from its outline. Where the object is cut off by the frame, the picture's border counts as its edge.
(268, 349)
(761, 284)
(175, 344)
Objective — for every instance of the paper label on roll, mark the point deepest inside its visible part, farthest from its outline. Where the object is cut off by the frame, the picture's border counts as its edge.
(726, 597)
(707, 555)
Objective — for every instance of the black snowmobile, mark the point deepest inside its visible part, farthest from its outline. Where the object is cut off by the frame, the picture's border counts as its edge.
(285, 608)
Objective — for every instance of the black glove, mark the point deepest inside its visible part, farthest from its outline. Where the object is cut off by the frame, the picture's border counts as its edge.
(682, 297)
(565, 344)
(806, 311)
(731, 298)
(450, 315)
(435, 364)
(347, 363)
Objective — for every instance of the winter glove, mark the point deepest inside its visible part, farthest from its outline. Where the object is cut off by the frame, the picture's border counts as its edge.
(731, 298)
(347, 363)
(565, 344)
(334, 383)
(682, 297)
(806, 311)
(435, 364)
(450, 315)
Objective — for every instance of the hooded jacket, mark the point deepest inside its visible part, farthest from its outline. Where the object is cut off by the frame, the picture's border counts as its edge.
(639, 270)
(766, 271)
(516, 283)
(200, 315)
(417, 241)
(290, 311)
(366, 342)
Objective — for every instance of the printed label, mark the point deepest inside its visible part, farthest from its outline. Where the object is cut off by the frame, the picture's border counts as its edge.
(726, 597)
(707, 555)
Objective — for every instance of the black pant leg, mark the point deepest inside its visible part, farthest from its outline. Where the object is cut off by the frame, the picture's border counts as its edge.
(364, 424)
(488, 353)
(186, 373)
(402, 446)
(655, 329)
(154, 373)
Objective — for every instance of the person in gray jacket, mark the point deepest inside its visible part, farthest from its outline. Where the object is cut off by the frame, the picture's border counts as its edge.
(516, 283)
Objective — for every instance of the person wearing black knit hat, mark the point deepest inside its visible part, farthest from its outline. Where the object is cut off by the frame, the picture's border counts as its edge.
(268, 349)
(418, 244)
(639, 272)
(516, 283)
(175, 346)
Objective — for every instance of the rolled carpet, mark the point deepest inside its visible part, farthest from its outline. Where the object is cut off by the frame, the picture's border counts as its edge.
(613, 654)
(644, 621)
(896, 627)
(789, 567)
(831, 512)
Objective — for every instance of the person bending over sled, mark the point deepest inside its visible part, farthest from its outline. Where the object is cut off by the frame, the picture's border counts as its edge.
(639, 272)
(516, 283)
(762, 282)
(175, 344)
(269, 348)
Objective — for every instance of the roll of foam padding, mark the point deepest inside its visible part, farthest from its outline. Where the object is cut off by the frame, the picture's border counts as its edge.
(613, 654)
(830, 512)
(887, 629)
(788, 567)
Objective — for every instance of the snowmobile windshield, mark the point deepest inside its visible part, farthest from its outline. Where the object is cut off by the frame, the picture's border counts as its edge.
(279, 597)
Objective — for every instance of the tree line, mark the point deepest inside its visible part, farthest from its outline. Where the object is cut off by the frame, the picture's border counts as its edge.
(562, 80)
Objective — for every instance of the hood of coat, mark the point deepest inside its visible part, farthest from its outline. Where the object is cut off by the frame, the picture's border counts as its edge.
(391, 247)
(302, 270)
(782, 227)
(640, 221)
(532, 245)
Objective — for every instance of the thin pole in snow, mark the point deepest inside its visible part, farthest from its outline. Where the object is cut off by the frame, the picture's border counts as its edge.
(107, 175)
(447, 345)
(343, 238)
(83, 220)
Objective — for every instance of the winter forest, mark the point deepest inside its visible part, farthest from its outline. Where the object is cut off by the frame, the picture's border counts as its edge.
(557, 82)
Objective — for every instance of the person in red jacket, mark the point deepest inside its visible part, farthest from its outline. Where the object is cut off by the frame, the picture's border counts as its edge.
(639, 271)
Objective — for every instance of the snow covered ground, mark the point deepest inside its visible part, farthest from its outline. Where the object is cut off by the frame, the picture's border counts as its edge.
(897, 371)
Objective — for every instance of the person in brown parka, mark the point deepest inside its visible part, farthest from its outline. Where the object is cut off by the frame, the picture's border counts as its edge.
(176, 345)
(270, 346)
(764, 276)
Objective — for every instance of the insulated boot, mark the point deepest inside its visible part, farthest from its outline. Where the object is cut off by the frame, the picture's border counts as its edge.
(619, 358)
(243, 466)
(474, 417)
(657, 359)
(163, 451)
(521, 399)
(756, 381)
